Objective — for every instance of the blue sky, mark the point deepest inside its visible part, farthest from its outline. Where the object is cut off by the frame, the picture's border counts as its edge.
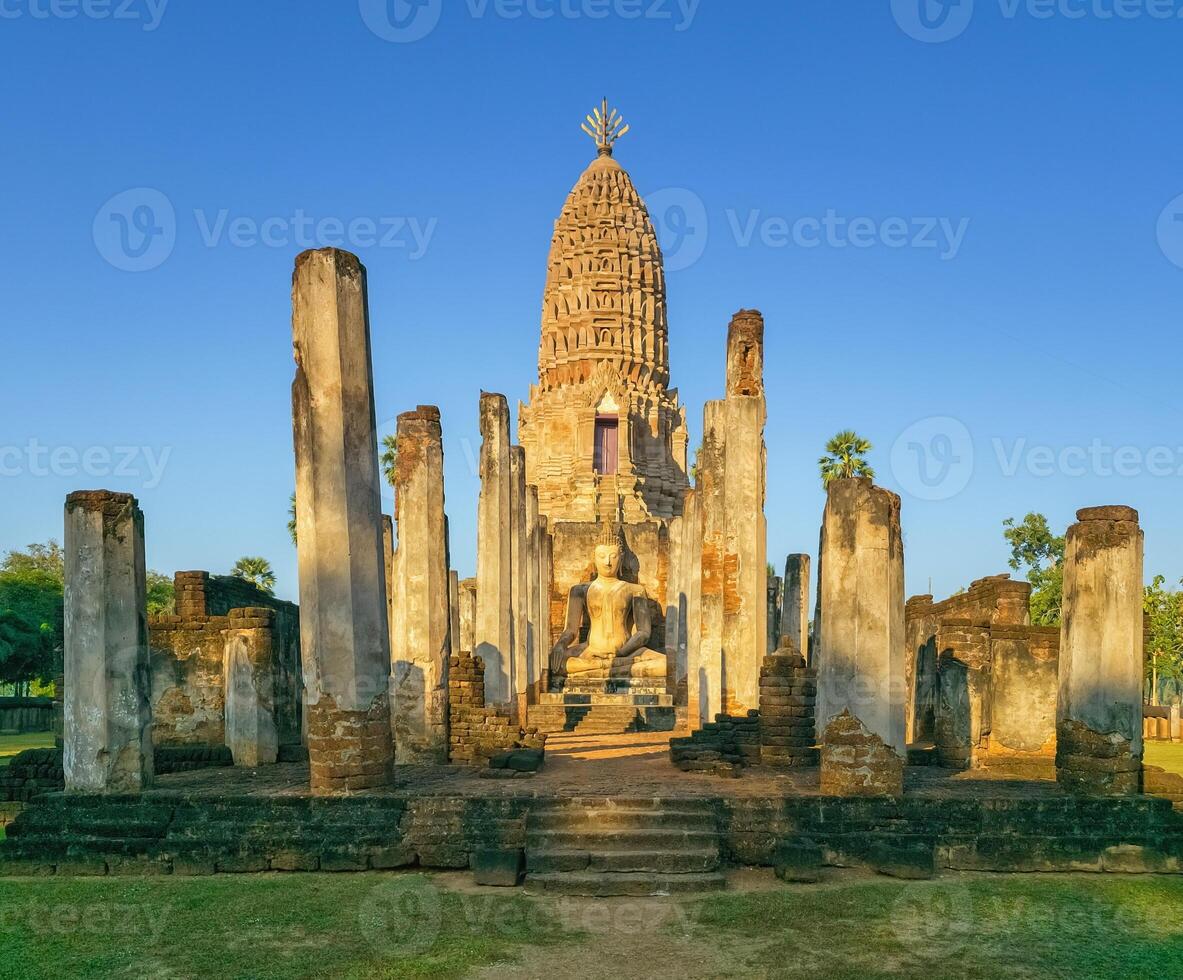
(997, 296)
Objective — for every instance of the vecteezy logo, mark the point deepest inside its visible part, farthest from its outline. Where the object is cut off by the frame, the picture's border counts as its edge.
(1170, 231)
(933, 459)
(932, 21)
(401, 21)
(402, 916)
(680, 219)
(137, 230)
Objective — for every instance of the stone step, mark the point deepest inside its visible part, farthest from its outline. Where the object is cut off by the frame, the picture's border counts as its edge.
(613, 820)
(621, 840)
(637, 884)
(687, 861)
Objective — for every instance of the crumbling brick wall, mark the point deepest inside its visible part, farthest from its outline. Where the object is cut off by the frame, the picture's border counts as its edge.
(983, 681)
(188, 650)
(477, 732)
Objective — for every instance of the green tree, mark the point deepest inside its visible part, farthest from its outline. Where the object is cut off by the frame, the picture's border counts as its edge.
(845, 457)
(292, 518)
(1164, 642)
(31, 615)
(389, 457)
(257, 571)
(1034, 547)
(162, 597)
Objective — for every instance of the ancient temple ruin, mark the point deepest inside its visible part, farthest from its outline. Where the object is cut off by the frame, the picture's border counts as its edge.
(622, 652)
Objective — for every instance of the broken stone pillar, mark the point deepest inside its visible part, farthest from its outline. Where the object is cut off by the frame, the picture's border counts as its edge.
(453, 612)
(705, 689)
(467, 611)
(546, 561)
(794, 615)
(860, 641)
(108, 724)
(731, 474)
(494, 596)
(775, 586)
(519, 563)
(685, 605)
(344, 622)
(534, 638)
(1099, 709)
(248, 676)
(388, 555)
(420, 647)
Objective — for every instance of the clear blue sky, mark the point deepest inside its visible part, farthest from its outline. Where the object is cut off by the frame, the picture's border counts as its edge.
(1053, 321)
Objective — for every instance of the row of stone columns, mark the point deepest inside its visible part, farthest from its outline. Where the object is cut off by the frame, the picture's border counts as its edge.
(859, 651)
(511, 628)
(716, 590)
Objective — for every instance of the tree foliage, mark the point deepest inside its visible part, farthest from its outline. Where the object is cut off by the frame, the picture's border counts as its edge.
(292, 518)
(1035, 548)
(845, 457)
(257, 571)
(389, 457)
(31, 614)
(162, 597)
(1164, 642)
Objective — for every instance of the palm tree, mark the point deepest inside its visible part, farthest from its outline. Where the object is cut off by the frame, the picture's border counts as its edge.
(844, 458)
(389, 457)
(292, 518)
(257, 571)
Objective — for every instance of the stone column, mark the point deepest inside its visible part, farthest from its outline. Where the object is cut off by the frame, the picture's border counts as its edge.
(1099, 710)
(494, 603)
(453, 612)
(775, 600)
(248, 677)
(706, 688)
(860, 641)
(107, 714)
(467, 610)
(794, 616)
(534, 639)
(344, 622)
(546, 572)
(519, 564)
(420, 650)
(388, 555)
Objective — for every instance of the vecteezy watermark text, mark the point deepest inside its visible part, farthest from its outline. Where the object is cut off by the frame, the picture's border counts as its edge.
(407, 21)
(936, 21)
(832, 230)
(149, 13)
(141, 463)
(137, 230)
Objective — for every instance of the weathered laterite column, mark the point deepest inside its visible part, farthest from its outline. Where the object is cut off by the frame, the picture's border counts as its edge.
(1099, 710)
(775, 589)
(705, 689)
(534, 638)
(248, 675)
(494, 596)
(388, 564)
(344, 625)
(794, 616)
(686, 604)
(108, 723)
(519, 563)
(453, 612)
(467, 611)
(731, 478)
(860, 641)
(420, 646)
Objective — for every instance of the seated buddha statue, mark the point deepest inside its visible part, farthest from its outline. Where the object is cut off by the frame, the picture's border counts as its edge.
(619, 627)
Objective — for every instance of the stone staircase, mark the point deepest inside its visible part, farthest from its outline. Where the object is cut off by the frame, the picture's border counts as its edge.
(608, 719)
(606, 847)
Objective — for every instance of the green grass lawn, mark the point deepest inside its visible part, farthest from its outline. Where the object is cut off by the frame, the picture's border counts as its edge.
(11, 745)
(1168, 755)
(416, 925)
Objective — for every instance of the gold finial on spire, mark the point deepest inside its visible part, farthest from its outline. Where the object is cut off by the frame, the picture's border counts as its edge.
(605, 127)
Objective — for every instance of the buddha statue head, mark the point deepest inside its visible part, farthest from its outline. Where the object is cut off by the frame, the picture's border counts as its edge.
(607, 560)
